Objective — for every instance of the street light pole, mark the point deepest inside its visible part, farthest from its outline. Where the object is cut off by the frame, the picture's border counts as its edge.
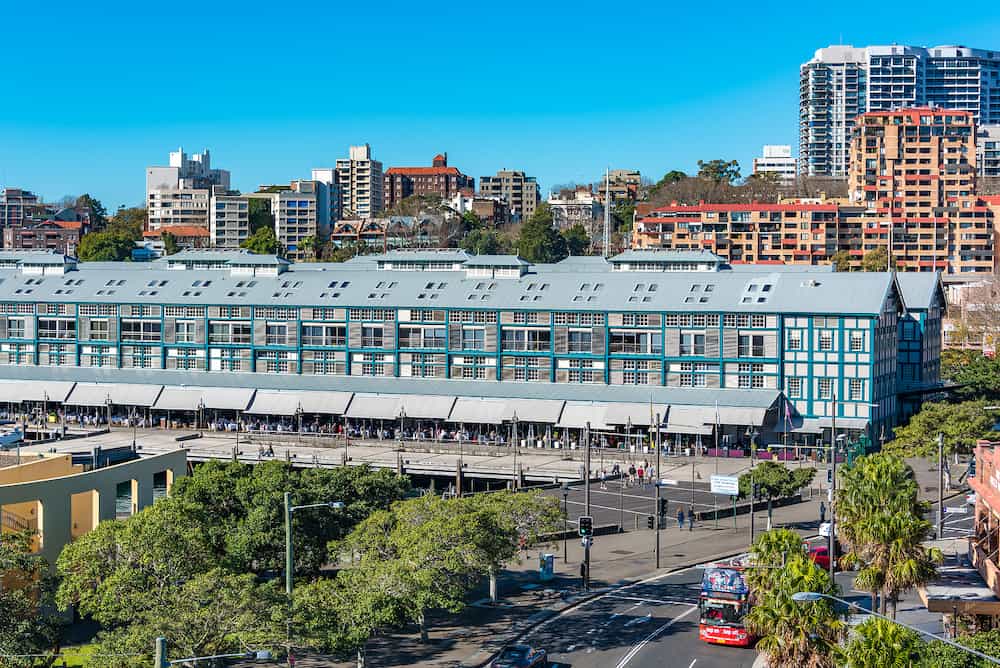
(940, 517)
(586, 488)
(810, 597)
(515, 444)
(565, 494)
(833, 489)
(656, 491)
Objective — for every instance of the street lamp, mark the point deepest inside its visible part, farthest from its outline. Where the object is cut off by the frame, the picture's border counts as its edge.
(201, 415)
(812, 596)
(133, 421)
(298, 422)
(289, 561)
(565, 494)
(515, 444)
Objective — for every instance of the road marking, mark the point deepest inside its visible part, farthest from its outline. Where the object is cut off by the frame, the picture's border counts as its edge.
(639, 620)
(663, 601)
(692, 663)
(652, 636)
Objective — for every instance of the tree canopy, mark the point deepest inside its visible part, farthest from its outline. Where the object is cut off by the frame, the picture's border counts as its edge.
(26, 590)
(776, 480)
(485, 242)
(539, 242)
(262, 242)
(876, 259)
(719, 171)
(577, 240)
(961, 423)
(107, 246)
(98, 214)
(977, 375)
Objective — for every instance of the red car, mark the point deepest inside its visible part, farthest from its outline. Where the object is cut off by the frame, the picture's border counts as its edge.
(821, 557)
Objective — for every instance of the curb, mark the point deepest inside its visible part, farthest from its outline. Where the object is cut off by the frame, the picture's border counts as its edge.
(521, 629)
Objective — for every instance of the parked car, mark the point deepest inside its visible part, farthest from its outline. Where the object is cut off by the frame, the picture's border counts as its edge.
(970, 498)
(820, 555)
(521, 656)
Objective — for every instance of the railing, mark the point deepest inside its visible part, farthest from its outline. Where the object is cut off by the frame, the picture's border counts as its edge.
(13, 522)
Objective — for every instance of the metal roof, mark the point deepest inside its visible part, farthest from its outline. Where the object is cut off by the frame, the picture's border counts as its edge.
(665, 255)
(918, 288)
(496, 261)
(351, 285)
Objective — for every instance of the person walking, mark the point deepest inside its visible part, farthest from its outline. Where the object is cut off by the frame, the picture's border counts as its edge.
(690, 518)
(631, 474)
(680, 518)
(640, 472)
(604, 479)
(822, 512)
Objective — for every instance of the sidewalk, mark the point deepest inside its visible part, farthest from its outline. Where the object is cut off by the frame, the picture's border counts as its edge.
(471, 637)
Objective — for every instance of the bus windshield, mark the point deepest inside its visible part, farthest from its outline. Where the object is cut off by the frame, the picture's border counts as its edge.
(721, 613)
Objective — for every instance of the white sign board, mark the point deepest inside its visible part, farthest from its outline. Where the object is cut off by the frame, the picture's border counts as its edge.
(669, 482)
(956, 510)
(824, 529)
(726, 484)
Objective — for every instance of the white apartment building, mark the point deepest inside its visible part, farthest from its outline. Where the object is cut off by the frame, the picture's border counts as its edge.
(294, 208)
(988, 150)
(841, 82)
(179, 193)
(575, 207)
(359, 179)
(518, 190)
(229, 219)
(777, 159)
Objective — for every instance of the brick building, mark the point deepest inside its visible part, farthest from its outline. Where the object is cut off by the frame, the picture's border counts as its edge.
(438, 179)
(58, 235)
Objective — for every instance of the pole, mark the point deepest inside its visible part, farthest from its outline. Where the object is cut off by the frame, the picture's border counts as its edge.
(621, 502)
(160, 658)
(940, 517)
(565, 523)
(656, 493)
(833, 489)
(289, 565)
(515, 444)
(586, 488)
(753, 448)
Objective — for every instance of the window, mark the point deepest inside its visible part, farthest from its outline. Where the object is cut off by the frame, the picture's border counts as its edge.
(795, 388)
(15, 328)
(857, 341)
(826, 340)
(692, 344)
(579, 341)
(98, 330)
(794, 340)
(536, 340)
(54, 328)
(629, 342)
(751, 345)
(277, 334)
(826, 388)
(855, 389)
(228, 332)
(184, 331)
(371, 337)
(473, 339)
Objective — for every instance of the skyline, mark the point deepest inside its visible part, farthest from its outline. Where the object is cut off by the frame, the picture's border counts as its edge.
(274, 100)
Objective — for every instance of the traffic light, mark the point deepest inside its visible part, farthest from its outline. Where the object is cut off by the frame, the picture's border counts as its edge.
(663, 507)
(829, 476)
(586, 526)
(649, 521)
(756, 490)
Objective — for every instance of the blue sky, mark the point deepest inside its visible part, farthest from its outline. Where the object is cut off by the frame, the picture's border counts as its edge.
(95, 93)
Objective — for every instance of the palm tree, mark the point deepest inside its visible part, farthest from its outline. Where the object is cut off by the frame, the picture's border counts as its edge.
(794, 635)
(770, 552)
(880, 643)
(891, 547)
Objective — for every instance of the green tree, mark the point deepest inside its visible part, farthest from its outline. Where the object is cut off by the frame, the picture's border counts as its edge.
(539, 242)
(939, 655)
(259, 214)
(129, 222)
(879, 643)
(471, 221)
(105, 246)
(623, 212)
(719, 171)
(262, 242)
(791, 634)
(98, 214)
(876, 260)
(977, 375)
(577, 241)
(673, 176)
(484, 242)
(962, 424)
(881, 480)
(169, 243)
(310, 247)
(26, 591)
(775, 481)
(239, 508)
(841, 261)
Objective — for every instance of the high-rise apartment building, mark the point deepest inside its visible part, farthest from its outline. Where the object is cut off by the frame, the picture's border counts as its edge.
(841, 82)
(229, 219)
(914, 172)
(296, 216)
(438, 179)
(519, 191)
(14, 206)
(179, 194)
(359, 178)
(624, 185)
(777, 160)
(988, 150)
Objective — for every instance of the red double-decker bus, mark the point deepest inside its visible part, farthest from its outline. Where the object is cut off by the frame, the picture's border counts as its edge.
(724, 602)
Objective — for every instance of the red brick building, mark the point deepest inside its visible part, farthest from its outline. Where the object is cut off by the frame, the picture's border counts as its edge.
(438, 179)
(58, 235)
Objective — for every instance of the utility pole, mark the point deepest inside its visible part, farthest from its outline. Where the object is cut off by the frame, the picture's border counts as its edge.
(586, 502)
(752, 449)
(289, 572)
(833, 489)
(940, 517)
(656, 491)
(160, 658)
(607, 213)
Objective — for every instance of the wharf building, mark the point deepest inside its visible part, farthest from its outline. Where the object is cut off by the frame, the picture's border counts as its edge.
(759, 353)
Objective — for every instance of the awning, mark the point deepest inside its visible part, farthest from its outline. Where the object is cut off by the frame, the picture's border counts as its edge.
(97, 394)
(427, 406)
(478, 411)
(635, 414)
(576, 415)
(798, 425)
(288, 402)
(690, 420)
(190, 398)
(17, 391)
(843, 423)
(533, 410)
(374, 407)
(741, 415)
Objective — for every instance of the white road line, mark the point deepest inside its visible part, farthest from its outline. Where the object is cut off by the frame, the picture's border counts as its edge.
(664, 601)
(692, 663)
(652, 636)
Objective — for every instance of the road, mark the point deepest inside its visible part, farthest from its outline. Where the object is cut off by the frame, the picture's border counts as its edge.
(959, 518)
(650, 624)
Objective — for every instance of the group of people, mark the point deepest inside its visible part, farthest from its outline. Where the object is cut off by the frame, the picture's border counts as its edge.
(634, 476)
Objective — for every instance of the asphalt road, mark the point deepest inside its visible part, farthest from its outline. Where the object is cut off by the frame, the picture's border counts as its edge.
(645, 625)
(957, 524)
(616, 502)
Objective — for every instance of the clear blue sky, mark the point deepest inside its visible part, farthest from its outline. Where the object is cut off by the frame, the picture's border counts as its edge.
(95, 93)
